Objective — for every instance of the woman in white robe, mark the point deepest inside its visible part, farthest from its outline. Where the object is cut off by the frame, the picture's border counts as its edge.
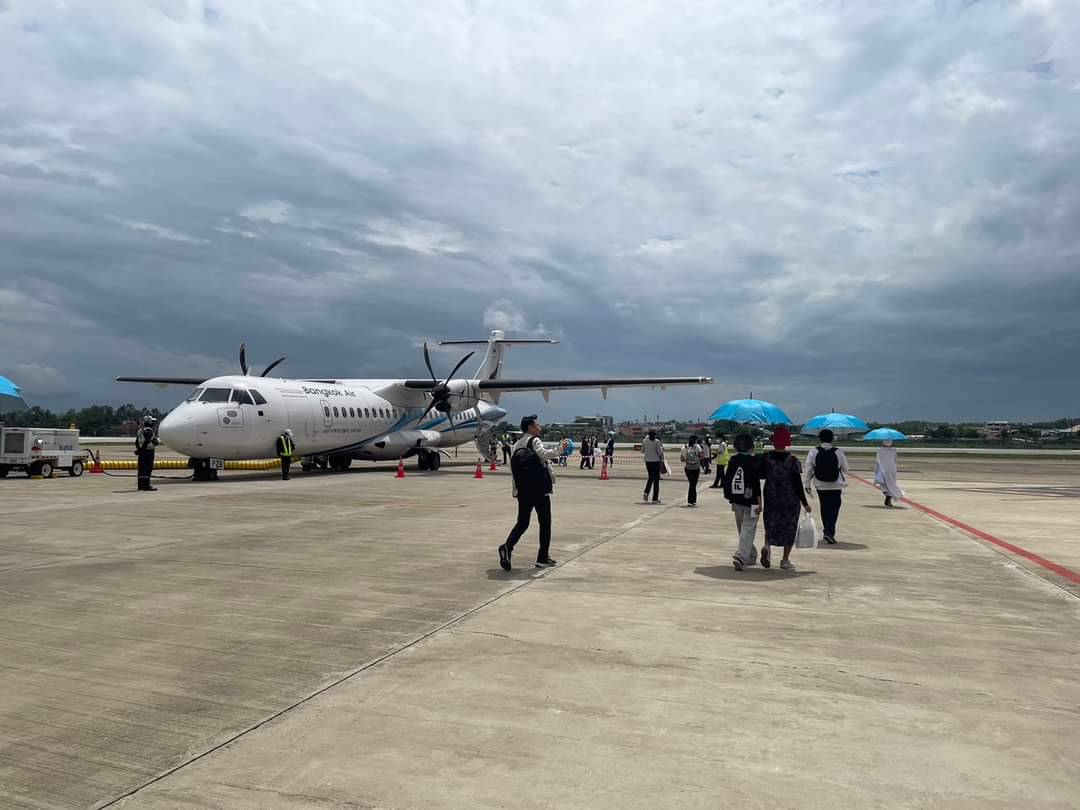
(885, 473)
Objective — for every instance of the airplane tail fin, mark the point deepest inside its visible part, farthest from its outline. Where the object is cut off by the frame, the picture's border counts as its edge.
(491, 367)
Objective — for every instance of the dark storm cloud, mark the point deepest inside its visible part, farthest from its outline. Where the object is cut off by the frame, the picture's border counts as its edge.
(858, 207)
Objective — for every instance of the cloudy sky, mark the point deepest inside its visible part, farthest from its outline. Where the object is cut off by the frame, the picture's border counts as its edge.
(867, 206)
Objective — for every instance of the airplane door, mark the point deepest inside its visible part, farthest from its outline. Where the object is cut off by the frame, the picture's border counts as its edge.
(301, 416)
(327, 419)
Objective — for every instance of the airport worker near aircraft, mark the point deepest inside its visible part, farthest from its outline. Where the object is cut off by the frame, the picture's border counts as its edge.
(885, 473)
(504, 443)
(285, 451)
(742, 488)
(827, 471)
(706, 456)
(533, 485)
(609, 449)
(145, 441)
(723, 456)
(653, 451)
(783, 491)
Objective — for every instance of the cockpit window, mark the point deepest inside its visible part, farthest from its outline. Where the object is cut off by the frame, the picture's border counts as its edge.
(241, 397)
(215, 395)
(259, 398)
(194, 395)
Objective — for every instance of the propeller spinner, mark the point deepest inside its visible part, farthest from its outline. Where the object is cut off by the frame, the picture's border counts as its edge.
(441, 393)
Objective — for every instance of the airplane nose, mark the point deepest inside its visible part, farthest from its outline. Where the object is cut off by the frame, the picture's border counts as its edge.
(177, 431)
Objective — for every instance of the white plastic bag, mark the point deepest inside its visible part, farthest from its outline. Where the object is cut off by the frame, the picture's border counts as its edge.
(808, 536)
(665, 468)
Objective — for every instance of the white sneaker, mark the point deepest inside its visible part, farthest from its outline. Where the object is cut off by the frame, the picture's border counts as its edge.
(787, 565)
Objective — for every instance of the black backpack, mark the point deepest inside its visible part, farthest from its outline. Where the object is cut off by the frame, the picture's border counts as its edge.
(827, 465)
(530, 472)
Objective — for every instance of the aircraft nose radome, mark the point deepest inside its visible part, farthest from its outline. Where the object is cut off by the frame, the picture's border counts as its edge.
(177, 431)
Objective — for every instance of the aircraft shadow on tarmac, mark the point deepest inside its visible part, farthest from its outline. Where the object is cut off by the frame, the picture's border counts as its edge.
(753, 574)
(841, 545)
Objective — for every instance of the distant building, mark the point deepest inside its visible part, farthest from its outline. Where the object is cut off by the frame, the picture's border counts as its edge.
(581, 426)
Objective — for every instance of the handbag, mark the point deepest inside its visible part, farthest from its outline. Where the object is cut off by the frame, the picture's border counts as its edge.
(808, 535)
(665, 468)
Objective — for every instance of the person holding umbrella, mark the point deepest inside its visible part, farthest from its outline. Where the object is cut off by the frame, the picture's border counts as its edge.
(885, 466)
(783, 492)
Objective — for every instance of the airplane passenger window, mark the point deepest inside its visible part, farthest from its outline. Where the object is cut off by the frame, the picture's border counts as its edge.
(367, 413)
(259, 398)
(242, 397)
(335, 410)
(216, 395)
(352, 413)
(194, 395)
(326, 410)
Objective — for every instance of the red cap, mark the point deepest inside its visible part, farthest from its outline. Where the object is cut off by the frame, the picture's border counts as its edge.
(781, 438)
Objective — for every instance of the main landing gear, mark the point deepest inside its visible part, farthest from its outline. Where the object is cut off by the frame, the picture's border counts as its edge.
(428, 460)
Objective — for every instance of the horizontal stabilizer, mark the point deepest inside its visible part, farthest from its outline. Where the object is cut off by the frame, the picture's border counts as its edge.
(503, 341)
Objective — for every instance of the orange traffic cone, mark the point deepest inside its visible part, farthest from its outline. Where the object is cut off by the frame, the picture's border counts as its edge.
(400, 468)
(493, 466)
(96, 468)
(603, 471)
(479, 470)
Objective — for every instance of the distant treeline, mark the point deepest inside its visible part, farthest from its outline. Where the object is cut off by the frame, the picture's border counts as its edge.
(97, 420)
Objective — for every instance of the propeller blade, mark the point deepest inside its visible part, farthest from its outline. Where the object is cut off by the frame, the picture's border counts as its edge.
(427, 359)
(427, 410)
(272, 366)
(461, 362)
(243, 359)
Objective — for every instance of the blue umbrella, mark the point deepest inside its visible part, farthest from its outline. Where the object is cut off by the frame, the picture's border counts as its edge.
(836, 422)
(750, 412)
(884, 433)
(10, 396)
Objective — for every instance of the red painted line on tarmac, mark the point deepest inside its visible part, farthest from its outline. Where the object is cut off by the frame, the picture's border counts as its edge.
(1049, 565)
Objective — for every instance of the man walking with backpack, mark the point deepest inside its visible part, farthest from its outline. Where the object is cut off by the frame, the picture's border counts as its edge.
(827, 470)
(533, 483)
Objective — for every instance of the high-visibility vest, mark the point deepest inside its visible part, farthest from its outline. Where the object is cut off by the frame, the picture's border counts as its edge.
(286, 445)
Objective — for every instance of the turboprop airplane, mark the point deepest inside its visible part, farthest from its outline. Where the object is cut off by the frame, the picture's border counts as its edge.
(335, 421)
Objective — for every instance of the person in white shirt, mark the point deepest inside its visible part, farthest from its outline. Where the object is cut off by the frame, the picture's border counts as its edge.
(885, 473)
(827, 470)
(533, 484)
(653, 450)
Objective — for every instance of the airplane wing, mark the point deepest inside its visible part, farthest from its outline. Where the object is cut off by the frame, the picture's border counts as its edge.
(504, 386)
(507, 386)
(165, 380)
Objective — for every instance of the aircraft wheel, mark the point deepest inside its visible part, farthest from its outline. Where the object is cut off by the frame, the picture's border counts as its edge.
(435, 460)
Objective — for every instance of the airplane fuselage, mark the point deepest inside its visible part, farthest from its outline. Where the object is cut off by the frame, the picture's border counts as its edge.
(241, 417)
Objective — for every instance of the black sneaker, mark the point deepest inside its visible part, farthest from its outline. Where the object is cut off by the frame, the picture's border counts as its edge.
(739, 565)
(504, 557)
(546, 563)
(830, 540)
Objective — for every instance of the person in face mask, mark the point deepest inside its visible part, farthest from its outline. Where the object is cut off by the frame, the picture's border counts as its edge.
(885, 473)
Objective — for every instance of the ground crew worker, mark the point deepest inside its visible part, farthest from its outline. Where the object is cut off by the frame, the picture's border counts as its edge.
(285, 451)
(145, 441)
